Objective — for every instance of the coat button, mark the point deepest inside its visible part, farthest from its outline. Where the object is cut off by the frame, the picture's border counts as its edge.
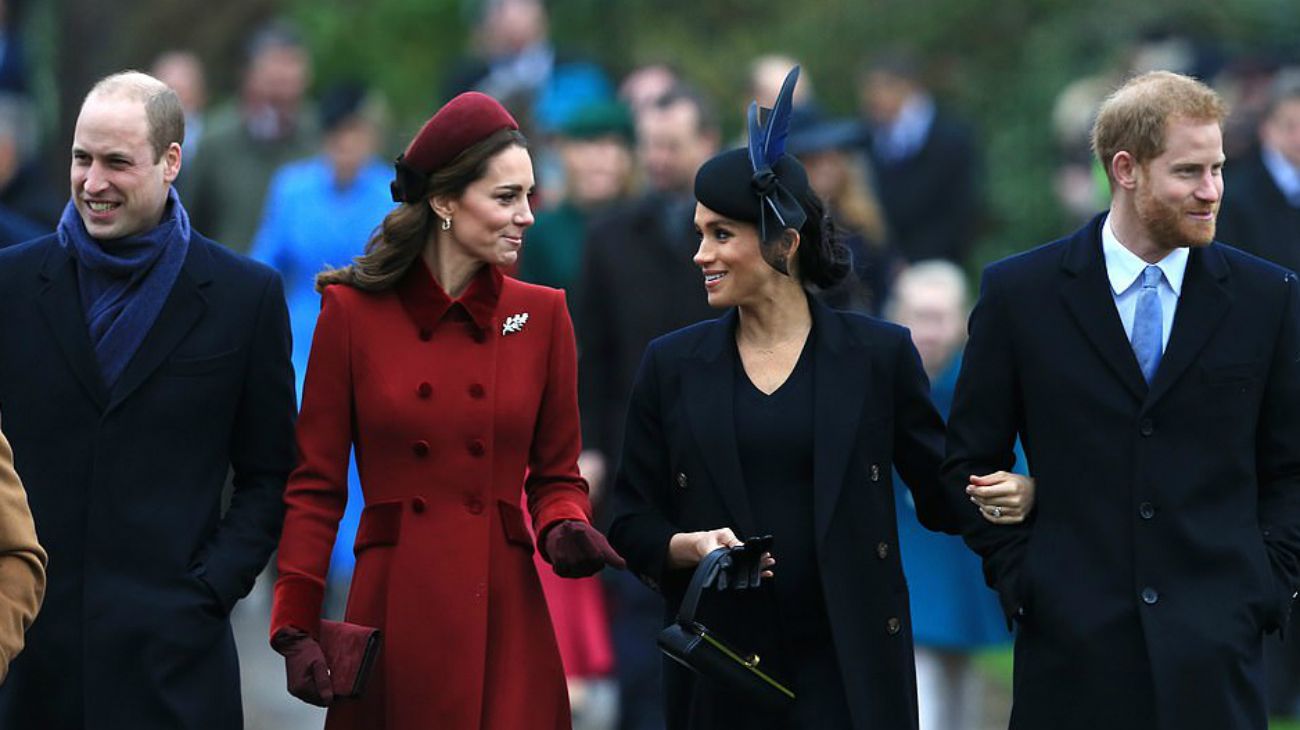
(426, 334)
(420, 448)
(480, 336)
(476, 391)
(1147, 428)
(893, 626)
(417, 505)
(682, 481)
(424, 390)
(475, 447)
(875, 473)
(1147, 510)
(882, 550)
(1150, 596)
(474, 506)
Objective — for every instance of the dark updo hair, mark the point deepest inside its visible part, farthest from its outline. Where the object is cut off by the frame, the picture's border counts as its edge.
(406, 229)
(728, 185)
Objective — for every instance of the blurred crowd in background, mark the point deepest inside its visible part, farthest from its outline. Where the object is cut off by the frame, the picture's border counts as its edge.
(292, 167)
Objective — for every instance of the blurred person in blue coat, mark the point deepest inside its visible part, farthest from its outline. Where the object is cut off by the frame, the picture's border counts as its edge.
(953, 613)
(319, 213)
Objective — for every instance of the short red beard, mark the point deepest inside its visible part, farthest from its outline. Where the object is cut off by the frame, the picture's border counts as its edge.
(1168, 226)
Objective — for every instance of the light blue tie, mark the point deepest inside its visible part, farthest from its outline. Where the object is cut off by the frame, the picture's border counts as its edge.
(1148, 323)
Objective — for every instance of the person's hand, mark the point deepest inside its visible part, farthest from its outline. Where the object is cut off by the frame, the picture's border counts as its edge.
(304, 667)
(577, 550)
(687, 549)
(1003, 498)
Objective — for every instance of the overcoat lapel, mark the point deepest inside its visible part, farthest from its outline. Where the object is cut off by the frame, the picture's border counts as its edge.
(709, 390)
(184, 307)
(60, 304)
(1205, 300)
(841, 371)
(1087, 296)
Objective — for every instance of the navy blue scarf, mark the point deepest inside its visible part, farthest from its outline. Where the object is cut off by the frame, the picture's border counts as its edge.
(125, 281)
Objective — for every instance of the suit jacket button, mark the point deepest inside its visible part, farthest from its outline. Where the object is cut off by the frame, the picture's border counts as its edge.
(420, 448)
(476, 447)
(424, 390)
(882, 550)
(875, 473)
(426, 334)
(1150, 596)
(1147, 428)
(417, 505)
(682, 481)
(893, 626)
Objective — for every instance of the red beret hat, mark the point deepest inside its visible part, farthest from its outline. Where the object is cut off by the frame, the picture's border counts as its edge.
(462, 122)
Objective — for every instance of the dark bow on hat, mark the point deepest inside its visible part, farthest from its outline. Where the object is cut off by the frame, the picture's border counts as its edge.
(767, 133)
(410, 184)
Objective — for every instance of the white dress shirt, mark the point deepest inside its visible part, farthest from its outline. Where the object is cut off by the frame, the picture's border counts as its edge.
(1124, 269)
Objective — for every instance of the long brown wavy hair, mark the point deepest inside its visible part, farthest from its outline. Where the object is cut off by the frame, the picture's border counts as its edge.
(398, 241)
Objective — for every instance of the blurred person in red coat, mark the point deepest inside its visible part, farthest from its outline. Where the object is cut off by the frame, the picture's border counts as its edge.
(456, 386)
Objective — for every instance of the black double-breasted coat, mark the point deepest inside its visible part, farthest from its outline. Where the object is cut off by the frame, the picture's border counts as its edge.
(680, 472)
(1165, 539)
(126, 483)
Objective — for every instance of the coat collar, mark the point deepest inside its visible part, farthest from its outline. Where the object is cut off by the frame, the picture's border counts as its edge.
(426, 303)
(841, 374)
(60, 304)
(1205, 299)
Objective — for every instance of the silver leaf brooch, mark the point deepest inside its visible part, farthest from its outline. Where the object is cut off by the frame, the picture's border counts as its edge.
(514, 323)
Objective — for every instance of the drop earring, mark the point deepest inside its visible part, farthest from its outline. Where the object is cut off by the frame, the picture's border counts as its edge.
(446, 224)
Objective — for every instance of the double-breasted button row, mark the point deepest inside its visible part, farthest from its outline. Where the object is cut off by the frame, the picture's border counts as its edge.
(893, 625)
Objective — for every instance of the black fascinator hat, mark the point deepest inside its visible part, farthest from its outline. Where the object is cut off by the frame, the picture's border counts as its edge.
(760, 184)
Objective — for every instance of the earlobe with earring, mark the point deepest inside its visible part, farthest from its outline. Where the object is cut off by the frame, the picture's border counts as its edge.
(446, 223)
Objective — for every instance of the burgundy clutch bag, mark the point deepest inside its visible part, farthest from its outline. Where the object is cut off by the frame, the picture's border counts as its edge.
(350, 651)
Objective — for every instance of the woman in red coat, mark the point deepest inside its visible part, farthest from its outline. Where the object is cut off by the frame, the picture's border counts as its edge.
(456, 386)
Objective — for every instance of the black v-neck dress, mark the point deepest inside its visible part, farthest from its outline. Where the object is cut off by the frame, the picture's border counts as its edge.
(774, 441)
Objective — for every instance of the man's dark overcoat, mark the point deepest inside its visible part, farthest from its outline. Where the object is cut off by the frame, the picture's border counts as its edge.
(126, 489)
(1166, 537)
(680, 472)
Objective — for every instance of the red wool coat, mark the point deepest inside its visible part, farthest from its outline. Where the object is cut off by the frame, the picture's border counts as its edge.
(451, 406)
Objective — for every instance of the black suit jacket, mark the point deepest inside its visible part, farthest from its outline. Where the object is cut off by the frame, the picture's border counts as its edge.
(1166, 537)
(680, 472)
(638, 282)
(932, 199)
(126, 484)
(1256, 216)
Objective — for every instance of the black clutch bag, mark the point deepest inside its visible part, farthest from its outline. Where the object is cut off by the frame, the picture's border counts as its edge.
(350, 651)
(692, 644)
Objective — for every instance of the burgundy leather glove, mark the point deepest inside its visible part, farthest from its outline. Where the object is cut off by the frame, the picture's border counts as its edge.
(577, 550)
(304, 667)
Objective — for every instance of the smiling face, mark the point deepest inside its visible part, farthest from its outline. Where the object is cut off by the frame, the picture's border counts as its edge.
(1177, 194)
(118, 188)
(488, 220)
(735, 273)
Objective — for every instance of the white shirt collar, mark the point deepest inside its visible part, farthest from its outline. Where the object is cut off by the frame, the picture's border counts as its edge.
(1123, 267)
(1284, 173)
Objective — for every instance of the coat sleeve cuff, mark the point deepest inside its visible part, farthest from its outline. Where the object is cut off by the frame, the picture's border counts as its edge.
(297, 605)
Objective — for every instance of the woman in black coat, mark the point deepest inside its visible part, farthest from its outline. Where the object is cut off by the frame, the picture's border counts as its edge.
(785, 417)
